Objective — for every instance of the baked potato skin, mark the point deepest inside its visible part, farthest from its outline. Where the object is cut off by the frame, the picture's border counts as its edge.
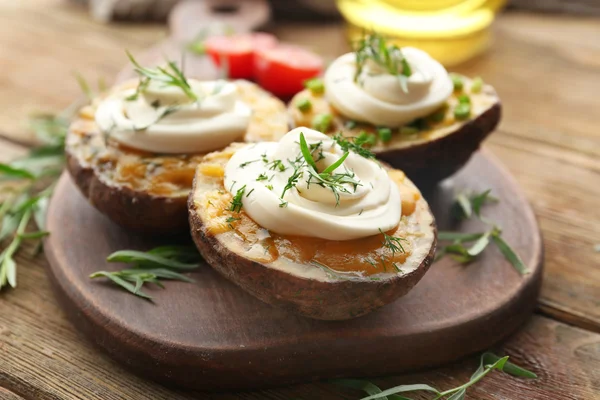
(339, 300)
(134, 210)
(138, 209)
(428, 163)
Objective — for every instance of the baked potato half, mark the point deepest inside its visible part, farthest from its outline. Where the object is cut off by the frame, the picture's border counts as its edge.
(428, 150)
(317, 278)
(147, 192)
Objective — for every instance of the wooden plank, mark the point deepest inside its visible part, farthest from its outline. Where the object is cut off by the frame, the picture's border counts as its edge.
(8, 395)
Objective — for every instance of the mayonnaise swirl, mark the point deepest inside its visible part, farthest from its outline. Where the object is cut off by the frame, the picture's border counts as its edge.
(377, 97)
(354, 210)
(163, 119)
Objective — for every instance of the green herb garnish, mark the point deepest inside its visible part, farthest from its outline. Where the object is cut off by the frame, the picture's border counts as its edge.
(315, 85)
(487, 363)
(462, 111)
(170, 75)
(457, 81)
(385, 134)
(322, 122)
(374, 48)
(262, 177)
(304, 105)
(394, 244)
(236, 202)
(477, 85)
(355, 144)
(408, 130)
(465, 206)
(464, 99)
(149, 267)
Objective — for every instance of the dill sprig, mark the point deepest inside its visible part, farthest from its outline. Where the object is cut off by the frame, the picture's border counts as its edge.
(171, 75)
(393, 243)
(373, 47)
(236, 202)
(355, 144)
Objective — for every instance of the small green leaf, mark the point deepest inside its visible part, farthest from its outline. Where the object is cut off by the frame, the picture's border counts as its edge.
(7, 171)
(157, 272)
(306, 152)
(9, 265)
(34, 235)
(480, 199)
(465, 204)
(144, 258)
(480, 244)
(402, 389)
(359, 384)
(460, 395)
(510, 254)
(84, 86)
(336, 164)
(509, 368)
(121, 282)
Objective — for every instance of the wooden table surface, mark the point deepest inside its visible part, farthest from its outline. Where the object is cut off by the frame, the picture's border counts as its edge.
(545, 68)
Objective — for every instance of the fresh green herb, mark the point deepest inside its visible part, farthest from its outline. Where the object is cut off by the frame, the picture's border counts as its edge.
(408, 130)
(488, 362)
(197, 45)
(457, 81)
(464, 99)
(466, 205)
(306, 152)
(26, 184)
(245, 164)
(462, 111)
(262, 177)
(250, 192)
(315, 85)
(236, 202)
(283, 203)
(477, 85)
(84, 86)
(336, 164)
(385, 134)
(304, 105)
(149, 267)
(373, 48)
(394, 244)
(355, 145)
(277, 164)
(270, 187)
(230, 220)
(365, 139)
(170, 75)
(322, 122)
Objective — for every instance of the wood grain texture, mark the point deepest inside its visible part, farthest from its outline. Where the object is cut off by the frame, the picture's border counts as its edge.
(212, 335)
(545, 68)
(8, 395)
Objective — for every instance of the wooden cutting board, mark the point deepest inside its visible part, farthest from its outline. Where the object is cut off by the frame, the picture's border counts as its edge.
(212, 335)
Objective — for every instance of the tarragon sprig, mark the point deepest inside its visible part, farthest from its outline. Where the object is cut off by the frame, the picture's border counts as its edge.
(162, 262)
(467, 205)
(373, 47)
(171, 75)
(488, 362)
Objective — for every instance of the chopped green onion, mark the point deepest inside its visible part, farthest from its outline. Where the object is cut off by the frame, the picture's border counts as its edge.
(464, 99)
(462, 111)
(304, 105)
(385, 134)
(457, 81)
(315, 85)
(365, 139)
(322, 122)
(409, 130)
(477, 85)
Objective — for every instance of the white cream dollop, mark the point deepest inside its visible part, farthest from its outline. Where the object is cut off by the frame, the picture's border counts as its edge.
(307, 208)
(377, 97)
(163, 119)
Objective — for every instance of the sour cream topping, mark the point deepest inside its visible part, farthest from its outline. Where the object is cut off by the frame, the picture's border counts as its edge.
(163, 119)
(377, 97)
(365, 201)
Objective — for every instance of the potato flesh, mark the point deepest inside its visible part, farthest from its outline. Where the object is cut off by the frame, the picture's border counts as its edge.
(367, 256)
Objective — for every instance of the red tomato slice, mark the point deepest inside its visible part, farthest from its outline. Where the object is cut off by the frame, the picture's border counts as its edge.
(282, 70)
(236, 52)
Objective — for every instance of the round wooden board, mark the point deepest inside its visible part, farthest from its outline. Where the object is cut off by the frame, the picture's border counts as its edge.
(212, 335)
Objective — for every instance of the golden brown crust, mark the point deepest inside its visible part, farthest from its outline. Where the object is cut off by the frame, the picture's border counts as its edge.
(147, 192)
(335, 298)
(431, 155)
